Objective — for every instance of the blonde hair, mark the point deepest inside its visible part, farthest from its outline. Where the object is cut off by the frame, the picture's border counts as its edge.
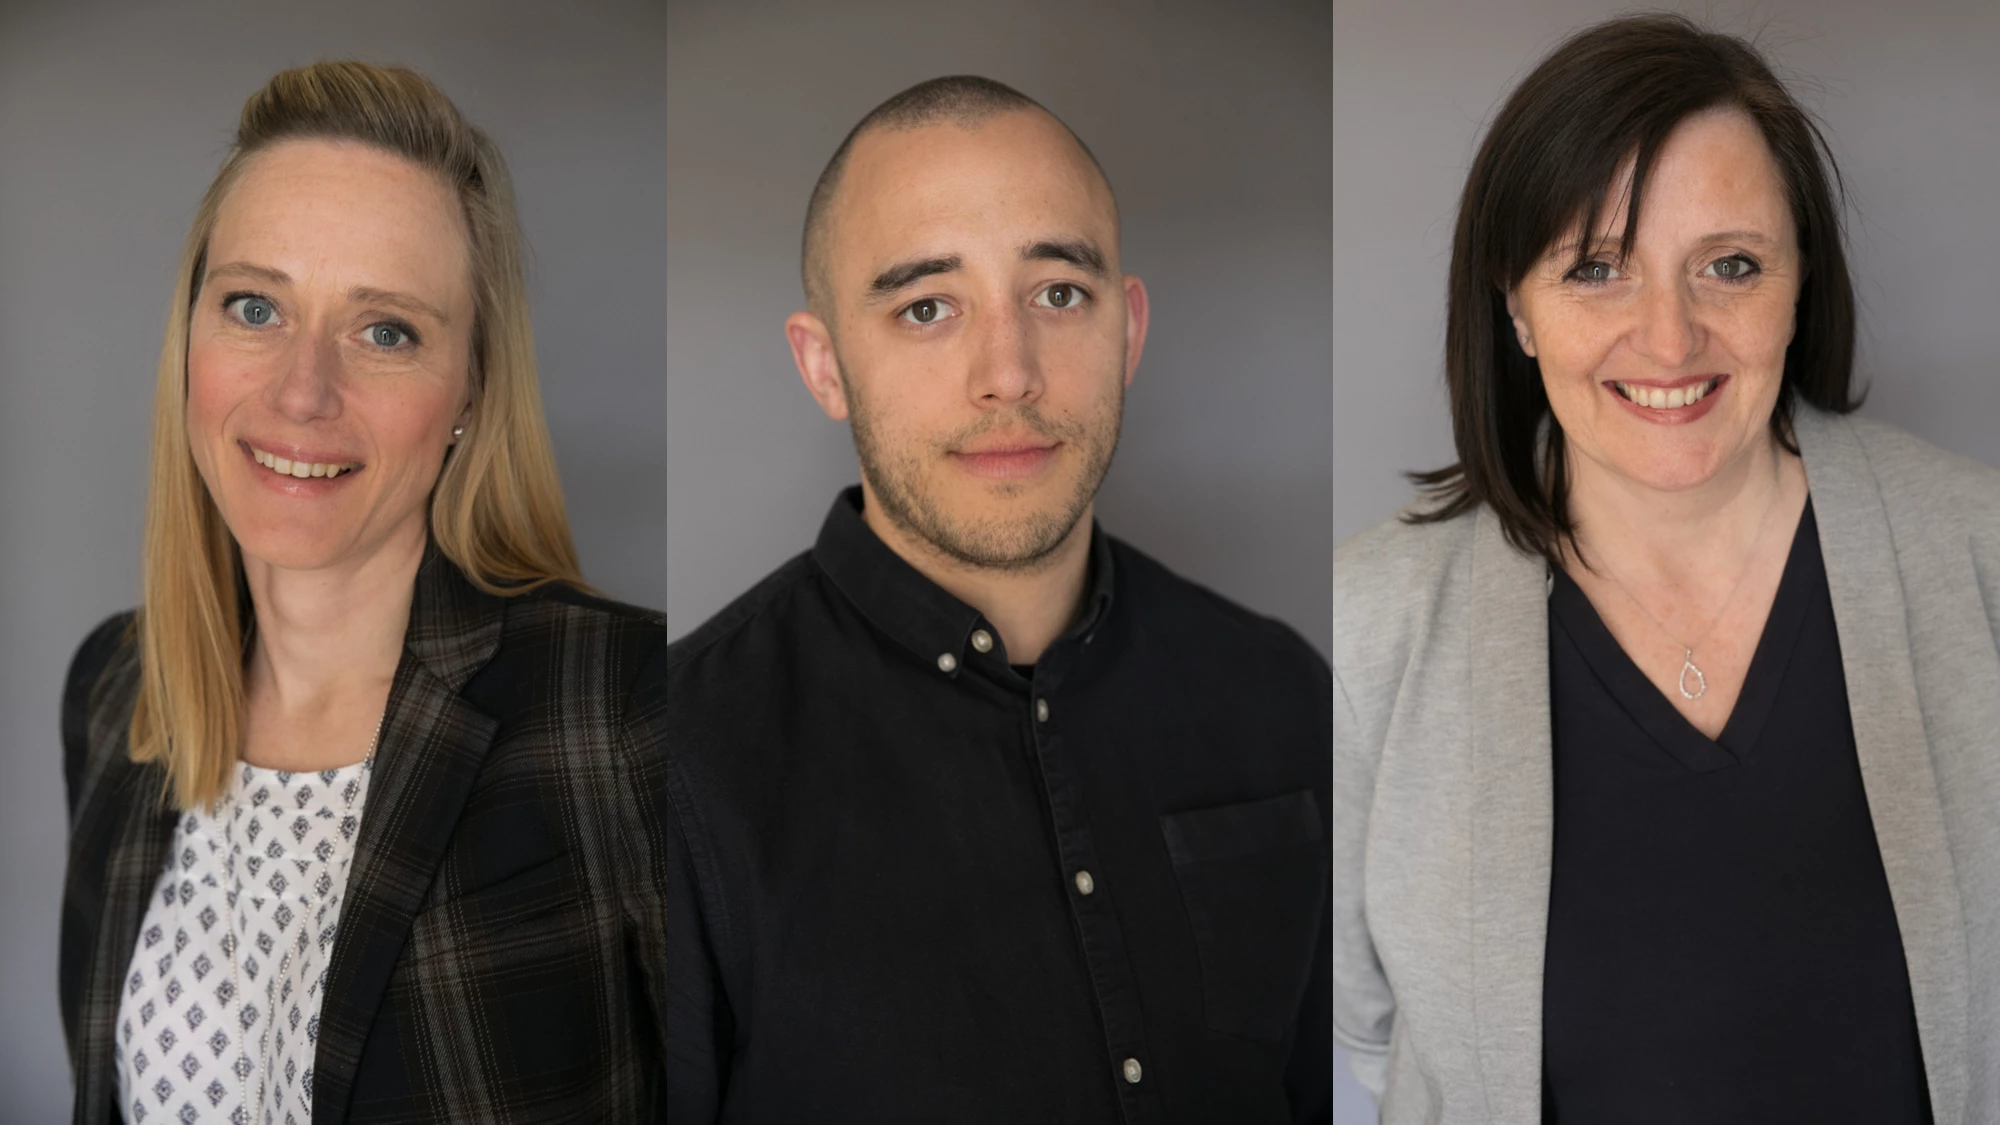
(496, 511)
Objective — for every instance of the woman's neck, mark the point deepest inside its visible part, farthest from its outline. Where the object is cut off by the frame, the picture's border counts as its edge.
(1648, 535)
(329, 635)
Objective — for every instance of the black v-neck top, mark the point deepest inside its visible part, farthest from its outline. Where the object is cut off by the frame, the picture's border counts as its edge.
(1722, 947)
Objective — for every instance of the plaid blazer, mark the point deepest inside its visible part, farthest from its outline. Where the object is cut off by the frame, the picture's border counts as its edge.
(502, 943)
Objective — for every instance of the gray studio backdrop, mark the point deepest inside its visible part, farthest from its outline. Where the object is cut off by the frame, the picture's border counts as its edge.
(113, 117)
(1212, 122)
(1910, 98)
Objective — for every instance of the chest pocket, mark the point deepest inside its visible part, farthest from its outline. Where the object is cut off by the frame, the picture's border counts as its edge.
(1253, 879)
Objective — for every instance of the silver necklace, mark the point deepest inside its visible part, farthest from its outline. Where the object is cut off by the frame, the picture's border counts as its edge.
(1687, 650)
(284, 963)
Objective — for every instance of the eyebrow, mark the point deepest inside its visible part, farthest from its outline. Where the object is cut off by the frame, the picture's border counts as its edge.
(904, 274)
(362, 294)
(1570, 246)
(1078, 252)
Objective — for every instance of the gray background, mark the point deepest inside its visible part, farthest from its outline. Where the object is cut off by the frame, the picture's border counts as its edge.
(1212, 122)
(113, 118)
(1910, 97)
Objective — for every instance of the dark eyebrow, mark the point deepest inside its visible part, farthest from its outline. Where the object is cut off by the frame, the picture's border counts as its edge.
(361, 294)
(1078, 252)
(1570, 247)
(903, 274)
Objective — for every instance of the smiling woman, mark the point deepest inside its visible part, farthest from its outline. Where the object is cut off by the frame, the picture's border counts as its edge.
(360, 593)
(1663, 746)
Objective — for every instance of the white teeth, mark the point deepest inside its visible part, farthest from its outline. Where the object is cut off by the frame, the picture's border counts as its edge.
(1660, 399)
(299, 470)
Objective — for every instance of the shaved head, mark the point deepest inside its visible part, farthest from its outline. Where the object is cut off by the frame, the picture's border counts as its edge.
(964, 101)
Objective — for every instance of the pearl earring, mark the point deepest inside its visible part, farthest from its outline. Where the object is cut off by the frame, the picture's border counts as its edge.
(458, 431)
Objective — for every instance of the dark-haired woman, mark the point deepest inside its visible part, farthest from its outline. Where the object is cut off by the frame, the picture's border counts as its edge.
(1667, 728)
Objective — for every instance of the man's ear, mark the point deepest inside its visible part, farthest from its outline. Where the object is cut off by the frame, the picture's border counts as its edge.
(812, 351)
(1137, 315)
(1521, 330)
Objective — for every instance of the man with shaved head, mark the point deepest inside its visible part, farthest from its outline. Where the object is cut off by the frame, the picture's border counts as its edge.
(978, 813)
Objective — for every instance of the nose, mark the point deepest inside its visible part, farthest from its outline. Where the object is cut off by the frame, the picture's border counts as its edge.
(307, 387)
(1005, 368)
(1667, 331)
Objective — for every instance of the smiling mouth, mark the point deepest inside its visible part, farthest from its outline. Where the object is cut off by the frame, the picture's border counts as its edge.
(302, 469)
(1661, 398)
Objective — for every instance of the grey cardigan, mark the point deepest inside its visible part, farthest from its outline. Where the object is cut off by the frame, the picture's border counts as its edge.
(1443, 783)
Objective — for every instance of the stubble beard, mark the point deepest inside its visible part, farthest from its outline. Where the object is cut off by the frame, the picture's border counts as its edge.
(904, 490)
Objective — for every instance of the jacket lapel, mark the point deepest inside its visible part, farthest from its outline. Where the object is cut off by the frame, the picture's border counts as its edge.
(1513, 818)
(433, 746)
(1864, 577)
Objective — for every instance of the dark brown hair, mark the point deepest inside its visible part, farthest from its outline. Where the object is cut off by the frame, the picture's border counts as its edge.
(1609, 94)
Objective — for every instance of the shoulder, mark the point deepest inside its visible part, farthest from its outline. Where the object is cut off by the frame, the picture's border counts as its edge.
(761, 614)
(1916, 476)
(560, 641)
(590, 621)
(1393, 574)
(1229, 630)
(108, 658)
(102, 647)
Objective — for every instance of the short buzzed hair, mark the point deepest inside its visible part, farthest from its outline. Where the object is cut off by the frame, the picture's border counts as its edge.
(963, 100)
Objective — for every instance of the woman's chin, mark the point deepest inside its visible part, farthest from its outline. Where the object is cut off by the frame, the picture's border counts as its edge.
(296, 547)
(1667, 471)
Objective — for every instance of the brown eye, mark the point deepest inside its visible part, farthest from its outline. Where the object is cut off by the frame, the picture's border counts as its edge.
(1061, 295)
(930, 310)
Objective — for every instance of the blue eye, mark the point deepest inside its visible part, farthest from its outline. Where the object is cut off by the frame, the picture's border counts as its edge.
(388, 336)
(251, 309)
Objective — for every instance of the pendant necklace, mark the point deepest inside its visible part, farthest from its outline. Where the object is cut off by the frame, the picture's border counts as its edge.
(1687, 650)
(234, 939)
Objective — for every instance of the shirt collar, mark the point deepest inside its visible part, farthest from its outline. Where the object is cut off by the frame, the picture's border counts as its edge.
(914, 611)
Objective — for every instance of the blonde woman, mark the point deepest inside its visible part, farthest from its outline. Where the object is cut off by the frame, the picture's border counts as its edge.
(365, 798)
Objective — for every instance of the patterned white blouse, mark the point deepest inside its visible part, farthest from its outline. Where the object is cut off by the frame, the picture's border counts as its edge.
(195, 1041)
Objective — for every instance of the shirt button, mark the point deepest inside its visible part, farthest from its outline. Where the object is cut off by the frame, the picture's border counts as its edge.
(982, 640)
(1133, 1072)
(1041, 710)
(947, 662)
(1084, 883)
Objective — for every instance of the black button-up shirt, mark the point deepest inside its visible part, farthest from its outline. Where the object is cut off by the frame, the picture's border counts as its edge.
(912, 884)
